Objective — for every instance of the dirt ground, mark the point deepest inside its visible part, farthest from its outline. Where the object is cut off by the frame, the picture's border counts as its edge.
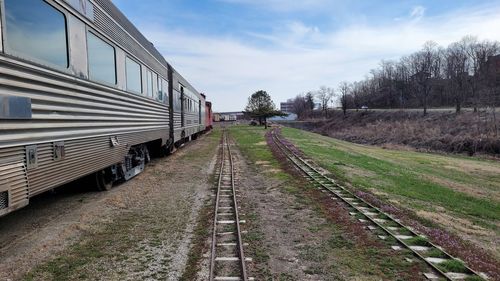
(140, 230)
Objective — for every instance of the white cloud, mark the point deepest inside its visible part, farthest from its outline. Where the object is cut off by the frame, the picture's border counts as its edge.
(417, 12)
(302, 57)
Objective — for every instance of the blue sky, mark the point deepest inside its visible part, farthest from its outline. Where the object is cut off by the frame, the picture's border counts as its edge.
(232, 48)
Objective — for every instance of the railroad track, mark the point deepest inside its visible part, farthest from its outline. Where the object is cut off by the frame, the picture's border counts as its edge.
(383, 223)
(227, 260)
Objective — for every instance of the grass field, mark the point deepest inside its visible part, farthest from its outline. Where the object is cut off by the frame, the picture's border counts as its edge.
(459, 193)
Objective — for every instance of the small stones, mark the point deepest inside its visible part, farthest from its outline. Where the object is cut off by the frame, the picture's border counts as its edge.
(419, 248)
(457, 275)
(435, 260)
(403, 237)
(396, 248)
(431, 276)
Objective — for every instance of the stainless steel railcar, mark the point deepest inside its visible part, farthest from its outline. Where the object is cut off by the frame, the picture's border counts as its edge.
(83, 92)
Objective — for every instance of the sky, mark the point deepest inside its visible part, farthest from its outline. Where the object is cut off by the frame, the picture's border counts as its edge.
(229, 49)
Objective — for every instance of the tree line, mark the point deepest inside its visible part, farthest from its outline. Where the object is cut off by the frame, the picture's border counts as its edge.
(464, 74)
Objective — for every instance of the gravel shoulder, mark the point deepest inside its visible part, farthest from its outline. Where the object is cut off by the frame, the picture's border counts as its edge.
(140, 230)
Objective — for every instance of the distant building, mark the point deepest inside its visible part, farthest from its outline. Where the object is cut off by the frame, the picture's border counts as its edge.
(229, 116)
(287, 106)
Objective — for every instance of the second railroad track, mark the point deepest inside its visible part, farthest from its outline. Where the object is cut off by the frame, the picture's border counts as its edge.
(379, 221)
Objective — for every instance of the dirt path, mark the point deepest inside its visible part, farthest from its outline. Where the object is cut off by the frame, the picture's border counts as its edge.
(140, 230)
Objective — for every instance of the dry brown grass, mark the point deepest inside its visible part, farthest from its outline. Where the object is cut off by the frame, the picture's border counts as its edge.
(468, 132)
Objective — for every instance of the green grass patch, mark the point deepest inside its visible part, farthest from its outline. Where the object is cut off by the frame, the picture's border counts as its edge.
(453, 266)
(406, 176)
(435, 253)
(417, 241)
(252, 143)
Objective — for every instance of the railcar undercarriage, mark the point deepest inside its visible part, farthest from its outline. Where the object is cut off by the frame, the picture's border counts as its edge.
(132, 165)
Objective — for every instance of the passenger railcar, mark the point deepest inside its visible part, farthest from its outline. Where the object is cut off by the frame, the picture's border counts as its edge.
(83, 92)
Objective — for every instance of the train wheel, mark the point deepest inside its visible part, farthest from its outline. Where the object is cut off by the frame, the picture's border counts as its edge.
(104, 180)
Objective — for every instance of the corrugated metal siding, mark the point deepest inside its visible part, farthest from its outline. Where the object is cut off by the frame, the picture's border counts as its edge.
(13, 177)
(83, 157)
(177, 120)
(66, 109)
(191, 119)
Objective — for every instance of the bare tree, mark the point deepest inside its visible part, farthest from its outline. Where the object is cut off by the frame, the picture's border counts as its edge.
(344, 89)
(457, 66)
(433, 76)
(424, 64)
(300, 107)
(387, 79)
(310, 101)
(483, 51)
(325, 95)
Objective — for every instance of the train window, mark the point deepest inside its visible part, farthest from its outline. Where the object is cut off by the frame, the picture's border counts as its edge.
(149, 83)
(155, 78)
(36, 30)
(101, 56)
(165, 90)
(177, 101)
(133, 69)
(159, 90)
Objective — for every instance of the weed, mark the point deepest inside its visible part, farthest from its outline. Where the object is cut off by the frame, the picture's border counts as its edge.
(417, 241)
(453, 266)
(435, 253)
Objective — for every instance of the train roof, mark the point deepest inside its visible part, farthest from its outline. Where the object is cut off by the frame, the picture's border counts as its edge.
(130, 28)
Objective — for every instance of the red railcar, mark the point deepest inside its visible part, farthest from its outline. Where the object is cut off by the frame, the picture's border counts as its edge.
(208, 115)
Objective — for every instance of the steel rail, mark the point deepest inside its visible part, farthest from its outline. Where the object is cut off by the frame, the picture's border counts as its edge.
(237, 217)
(226, 154)
(216, 211)
(314, 174)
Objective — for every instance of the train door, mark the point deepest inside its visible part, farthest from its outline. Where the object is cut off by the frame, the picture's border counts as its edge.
(182, 107)
(199, 113)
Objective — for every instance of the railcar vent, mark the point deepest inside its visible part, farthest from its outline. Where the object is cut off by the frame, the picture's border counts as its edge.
(4, 200)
